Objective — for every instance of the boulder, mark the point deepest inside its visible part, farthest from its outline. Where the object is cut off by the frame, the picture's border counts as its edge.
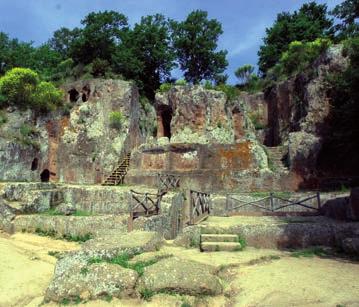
(336, 208)
(351, 245)
(109, 245)
(180, 276)
(353, 206)
(190, 237)
(7, 215)
(92, 282)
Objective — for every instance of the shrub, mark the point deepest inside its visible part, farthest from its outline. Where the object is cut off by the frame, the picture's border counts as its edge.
(17, 86)
(181, 82)
(47, 97)
(165, 87)
(231, 91)
(116, 119)
(208, 85)
(3, 117)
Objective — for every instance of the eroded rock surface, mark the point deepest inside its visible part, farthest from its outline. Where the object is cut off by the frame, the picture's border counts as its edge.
(180, 276)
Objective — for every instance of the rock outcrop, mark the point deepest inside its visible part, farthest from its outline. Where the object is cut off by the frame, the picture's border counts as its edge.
(79, 145)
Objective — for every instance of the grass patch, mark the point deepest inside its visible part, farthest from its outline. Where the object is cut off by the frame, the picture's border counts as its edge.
(123, 260)
(78, 238)
(243, 243)
(81, 213)
(55, 254)
(310, 252)
(84, 271)
(146, 294)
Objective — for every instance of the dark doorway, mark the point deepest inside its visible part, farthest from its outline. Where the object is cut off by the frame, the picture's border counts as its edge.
(85, 93)
(45, 175)
(73, 95)
(166, 118)
(34, 164)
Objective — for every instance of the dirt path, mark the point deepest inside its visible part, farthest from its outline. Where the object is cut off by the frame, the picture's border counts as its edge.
(26, 268)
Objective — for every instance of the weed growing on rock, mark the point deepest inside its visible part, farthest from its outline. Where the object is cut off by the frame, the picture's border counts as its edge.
(45, 233)
(310, 252)
(243, 243)
(146, 294)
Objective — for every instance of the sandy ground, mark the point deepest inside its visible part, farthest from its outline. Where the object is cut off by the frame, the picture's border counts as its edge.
(251, 280)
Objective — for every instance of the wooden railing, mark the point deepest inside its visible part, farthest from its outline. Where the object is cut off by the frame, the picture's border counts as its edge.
(168, 182)
(200, 203)
(144, 204)
(273, 205)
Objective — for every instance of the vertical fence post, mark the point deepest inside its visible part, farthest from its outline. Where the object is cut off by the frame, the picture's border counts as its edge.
(271, 201)
(318, 200)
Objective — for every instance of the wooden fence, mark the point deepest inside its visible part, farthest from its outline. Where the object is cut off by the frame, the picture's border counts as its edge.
(273, 205)
(144, 204)
(168, 182)
(200, 203)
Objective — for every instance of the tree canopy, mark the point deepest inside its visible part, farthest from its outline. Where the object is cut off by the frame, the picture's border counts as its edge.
(195, 41)
(307, 24)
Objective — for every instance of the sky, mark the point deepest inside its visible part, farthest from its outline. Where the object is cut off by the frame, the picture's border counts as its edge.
(243, 22)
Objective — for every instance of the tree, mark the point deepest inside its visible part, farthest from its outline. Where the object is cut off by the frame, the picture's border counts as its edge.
(63, 40)
(195, 42)
(149, 46)
(244, 73)
(98, 39)
(307, 24)
(348, 12)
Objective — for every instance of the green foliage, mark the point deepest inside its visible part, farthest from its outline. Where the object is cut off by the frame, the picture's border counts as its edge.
(165, 87)
(255, 118)
(348, 12)
(310, 252)
(22, 88)
(146, 294)
(231, 92)
(243, 242)
(84, 271)
(195, 41)
(116, 120)
(18, 86)
(78, 238)
(181, 82)
(299, 56)
(3, 117)
(307, 24)
(244, 73)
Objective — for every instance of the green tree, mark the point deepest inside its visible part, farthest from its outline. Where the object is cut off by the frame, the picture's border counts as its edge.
(63, 40)
(307, 24)
(244, 73)
(46, 97)
(195, 41)
(149, 45)
(98, 39)
(348, 12)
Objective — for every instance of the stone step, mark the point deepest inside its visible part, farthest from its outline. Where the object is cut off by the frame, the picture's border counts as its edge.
(219, 238)
(220, 246)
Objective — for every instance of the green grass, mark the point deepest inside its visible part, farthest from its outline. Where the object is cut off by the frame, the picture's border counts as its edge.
(108, 298)
(310, 252)
(243, 243)
(78, 238)
(123, 260)
(55, 212)
(84, 271)
(81, 213)
(146, 294)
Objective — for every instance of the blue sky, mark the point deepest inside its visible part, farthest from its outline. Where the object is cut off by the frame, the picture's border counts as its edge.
(243, 22)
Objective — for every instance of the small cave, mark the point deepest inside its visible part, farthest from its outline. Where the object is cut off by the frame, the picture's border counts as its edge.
(34, 164)
(45, 175)
(164, 121)
(85, 93)
(73, 95)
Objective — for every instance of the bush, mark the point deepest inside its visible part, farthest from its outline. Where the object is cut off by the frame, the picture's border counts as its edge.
(181, 82)
(17, 86)
(164, 87)
(22, 88)
(47, 97)
(231, 91)
(3, 117)
(116, 120)
(299, 56)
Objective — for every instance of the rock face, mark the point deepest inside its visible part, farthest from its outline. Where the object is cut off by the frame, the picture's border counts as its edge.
(295, 113)
(351, 245)
(78, 146)
(180, 276)
(353, 206)
(188, 114)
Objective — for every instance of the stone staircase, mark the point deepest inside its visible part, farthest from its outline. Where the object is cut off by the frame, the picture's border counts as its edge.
(118, 174)
(276, 156)
(220, 242)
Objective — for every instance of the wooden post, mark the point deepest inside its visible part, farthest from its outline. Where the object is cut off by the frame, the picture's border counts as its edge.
(271, 201)
(227, 204)
(318, 200)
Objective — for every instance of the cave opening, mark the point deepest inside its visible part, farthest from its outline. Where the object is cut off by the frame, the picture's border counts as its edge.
(34, 164)
(165, 118)
(73, 95)
(85, 93)
(45, 175)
